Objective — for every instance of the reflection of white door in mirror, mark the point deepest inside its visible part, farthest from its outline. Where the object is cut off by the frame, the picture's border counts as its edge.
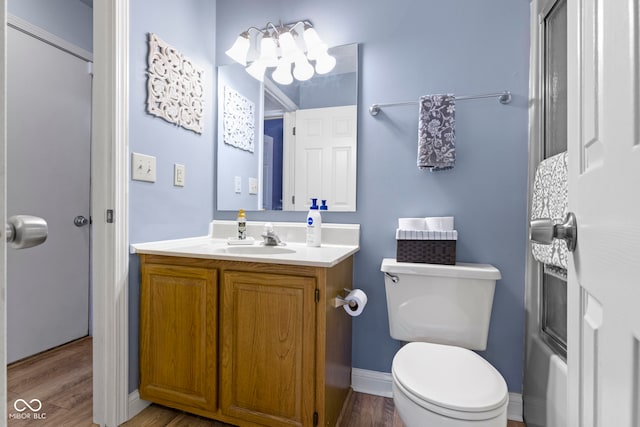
(325, 158)
(326, 165)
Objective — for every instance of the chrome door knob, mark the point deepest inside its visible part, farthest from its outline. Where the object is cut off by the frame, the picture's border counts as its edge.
(80, 221)
(543, 231)
(26, 231)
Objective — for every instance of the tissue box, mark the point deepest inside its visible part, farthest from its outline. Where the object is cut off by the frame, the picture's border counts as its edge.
(429, 247)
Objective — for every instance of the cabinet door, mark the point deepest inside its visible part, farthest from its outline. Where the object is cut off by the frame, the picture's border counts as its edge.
(178, 330)
(268, 348)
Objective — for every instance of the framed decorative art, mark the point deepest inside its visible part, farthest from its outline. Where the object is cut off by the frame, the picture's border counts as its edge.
(175, 91)
(238, 120)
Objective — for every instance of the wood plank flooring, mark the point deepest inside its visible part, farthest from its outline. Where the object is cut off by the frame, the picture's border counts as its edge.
(62, 380)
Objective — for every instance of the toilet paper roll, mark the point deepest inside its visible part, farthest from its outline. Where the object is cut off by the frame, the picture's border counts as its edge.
(357, 300)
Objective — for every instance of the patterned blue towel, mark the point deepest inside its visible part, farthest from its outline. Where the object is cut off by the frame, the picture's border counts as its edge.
(436, 132)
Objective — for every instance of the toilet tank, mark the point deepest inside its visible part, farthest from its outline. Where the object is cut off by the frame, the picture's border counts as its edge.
(445, 304)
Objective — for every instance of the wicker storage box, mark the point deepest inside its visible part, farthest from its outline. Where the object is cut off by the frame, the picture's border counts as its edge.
(427, 251)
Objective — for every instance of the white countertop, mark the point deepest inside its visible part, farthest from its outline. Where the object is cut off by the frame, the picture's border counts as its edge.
(339, 242)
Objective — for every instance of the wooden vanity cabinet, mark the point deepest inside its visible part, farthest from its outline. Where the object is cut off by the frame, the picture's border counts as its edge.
(178, 336)
(283, 352)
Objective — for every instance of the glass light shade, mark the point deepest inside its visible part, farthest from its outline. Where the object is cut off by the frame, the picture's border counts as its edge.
(268, 53)
(256, 70)
(317, 51)
(302, 70)
(238, 52)
(288, 47)
(282, 73)
(311, 38)
(325, 63)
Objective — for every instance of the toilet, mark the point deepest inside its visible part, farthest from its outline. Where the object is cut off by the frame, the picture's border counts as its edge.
(443, 313)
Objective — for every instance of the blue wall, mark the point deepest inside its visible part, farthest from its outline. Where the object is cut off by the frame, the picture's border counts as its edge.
(70, 20)
(274, 128)
(159, 211)
(409, 48)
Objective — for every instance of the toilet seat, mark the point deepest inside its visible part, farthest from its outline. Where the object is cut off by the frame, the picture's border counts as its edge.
(451, 381)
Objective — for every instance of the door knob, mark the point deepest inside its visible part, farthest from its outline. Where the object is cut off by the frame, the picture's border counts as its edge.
(26, 231)
(543, 231)
(79, 221)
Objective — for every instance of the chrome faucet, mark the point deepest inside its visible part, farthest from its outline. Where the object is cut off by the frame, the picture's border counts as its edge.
(270, 237)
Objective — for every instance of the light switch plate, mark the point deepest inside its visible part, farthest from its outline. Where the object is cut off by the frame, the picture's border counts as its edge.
(178, 175)
(253, 186)
(143, 167)
(238, 184)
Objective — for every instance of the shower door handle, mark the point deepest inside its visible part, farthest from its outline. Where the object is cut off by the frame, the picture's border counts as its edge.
(543, 231)
(26, 231)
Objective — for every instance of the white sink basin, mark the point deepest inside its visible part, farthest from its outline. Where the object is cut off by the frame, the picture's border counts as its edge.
(257, 250)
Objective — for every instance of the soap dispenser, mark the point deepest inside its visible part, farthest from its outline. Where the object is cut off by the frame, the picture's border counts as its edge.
(314, 225)
(242, 225)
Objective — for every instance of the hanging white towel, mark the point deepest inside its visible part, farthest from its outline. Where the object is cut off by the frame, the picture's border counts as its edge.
(436, 132)
(550, 201)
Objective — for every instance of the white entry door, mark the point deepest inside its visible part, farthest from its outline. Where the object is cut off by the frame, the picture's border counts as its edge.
(325, 157)
(48, 175)
(604, 193)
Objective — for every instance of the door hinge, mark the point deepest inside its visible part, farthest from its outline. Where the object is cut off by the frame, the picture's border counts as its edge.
(317, 295)
(294, 131)
(110, 216)
(315, 418)
(293, 200)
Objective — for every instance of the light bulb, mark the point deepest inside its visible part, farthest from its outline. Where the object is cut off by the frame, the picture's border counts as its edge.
(256, 70)
(268, 54)
(288, 47)
(282, 73)
(238, 52)
(325, 63)
(302, 70)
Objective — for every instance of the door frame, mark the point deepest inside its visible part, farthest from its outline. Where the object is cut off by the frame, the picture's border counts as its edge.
(109, 188)
(539, 355)
(110, 179)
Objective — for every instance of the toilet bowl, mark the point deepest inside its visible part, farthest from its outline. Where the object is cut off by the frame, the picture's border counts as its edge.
(443, 312)
(438, 385)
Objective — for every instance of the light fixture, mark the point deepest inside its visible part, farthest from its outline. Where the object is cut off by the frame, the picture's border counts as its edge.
(282, 73)
(238, 52)
(325, 63)
(302, 70)
(280, 47)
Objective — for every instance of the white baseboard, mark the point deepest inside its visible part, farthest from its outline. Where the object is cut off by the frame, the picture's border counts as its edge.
(514, 409)
(371, 382)
(379, 384)
(136, 405)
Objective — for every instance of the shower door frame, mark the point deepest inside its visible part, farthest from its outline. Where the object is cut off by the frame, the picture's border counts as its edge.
(545, 365)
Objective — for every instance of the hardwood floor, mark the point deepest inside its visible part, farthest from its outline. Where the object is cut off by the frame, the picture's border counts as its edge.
(62, 380)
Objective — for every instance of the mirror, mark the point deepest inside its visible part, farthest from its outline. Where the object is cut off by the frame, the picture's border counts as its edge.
(280, 145)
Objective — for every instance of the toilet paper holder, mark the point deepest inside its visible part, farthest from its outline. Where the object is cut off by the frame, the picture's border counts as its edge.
(339, 300)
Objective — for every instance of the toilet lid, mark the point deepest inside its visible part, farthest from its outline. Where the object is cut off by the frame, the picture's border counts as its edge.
(452, 378)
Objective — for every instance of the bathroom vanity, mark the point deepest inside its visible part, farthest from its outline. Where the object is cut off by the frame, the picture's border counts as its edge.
(247, 335)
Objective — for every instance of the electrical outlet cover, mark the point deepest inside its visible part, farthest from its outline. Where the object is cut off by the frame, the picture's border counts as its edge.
(237, 184)
(178, 175)
(253, 186)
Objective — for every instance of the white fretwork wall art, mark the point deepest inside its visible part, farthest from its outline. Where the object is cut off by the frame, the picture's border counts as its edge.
(239, 120)
(174, 86)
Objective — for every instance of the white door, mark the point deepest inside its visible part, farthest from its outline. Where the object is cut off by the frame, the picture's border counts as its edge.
(325, 153)
(604, 193)
(48, 175)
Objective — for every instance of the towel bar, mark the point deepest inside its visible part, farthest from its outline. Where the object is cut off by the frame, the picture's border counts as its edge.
(503, 97)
